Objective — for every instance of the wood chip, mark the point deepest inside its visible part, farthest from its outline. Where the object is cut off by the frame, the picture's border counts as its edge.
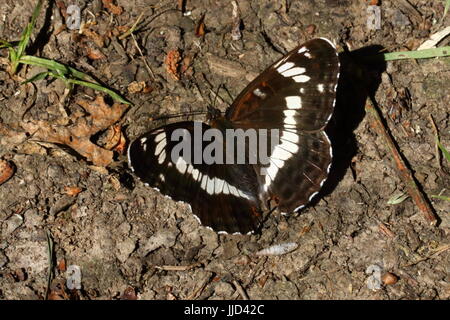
(72, 191)
(408, 9)
(200, 27)
(435, 39)
(227, 68)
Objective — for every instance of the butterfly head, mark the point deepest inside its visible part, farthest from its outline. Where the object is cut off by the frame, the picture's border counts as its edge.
(213, 113)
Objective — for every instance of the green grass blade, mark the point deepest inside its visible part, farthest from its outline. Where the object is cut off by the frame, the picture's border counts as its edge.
(55, 67)
(98, 87)
(26, 35)
(419, 54)
(444, 151)
(65, 73)
(398, 198)
(37, 77)
(5, 44)
(447, 6)
(441, 197)
(12, 54)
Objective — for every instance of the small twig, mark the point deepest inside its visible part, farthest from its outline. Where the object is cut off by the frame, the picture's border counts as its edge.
(252, 275)
(133, 27)
(179, 268)
(236, 30)
(199, 290)
(436, 252)
(150, 71)
(436, 145)
(50, 263)
(240, 290)
(385, 230)
(216, 95)
(405, 174)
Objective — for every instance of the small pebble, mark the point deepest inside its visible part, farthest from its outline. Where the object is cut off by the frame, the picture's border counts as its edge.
(13, 222)
(389, 278)
(223, 289)
(3, 259)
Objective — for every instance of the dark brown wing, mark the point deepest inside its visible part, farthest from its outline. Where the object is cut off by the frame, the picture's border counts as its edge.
(223, 197)
(296, 95)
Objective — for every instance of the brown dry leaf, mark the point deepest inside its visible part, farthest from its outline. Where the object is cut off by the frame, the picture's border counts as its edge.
(262, 280)
(20, 274)
(172, 63)
(62, 8)
(59, 291)
(305, 230)
(120, 147)
(108, 4)
(72, 191)
(94, 36)
(55, 295)
(95, 54)
(118, 31)
(6, 171)
(186, 66)
(200, 27)
(171, 296)
(62, 265)
(77, 135)
(114, 138)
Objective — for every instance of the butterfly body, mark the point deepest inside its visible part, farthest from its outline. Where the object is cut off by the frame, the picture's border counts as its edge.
(295, 97)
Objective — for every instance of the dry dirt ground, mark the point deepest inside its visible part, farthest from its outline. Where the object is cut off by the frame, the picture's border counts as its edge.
(123, 235)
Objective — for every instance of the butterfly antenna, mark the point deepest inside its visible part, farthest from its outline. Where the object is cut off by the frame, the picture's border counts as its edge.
(216, 96)
(179, 115)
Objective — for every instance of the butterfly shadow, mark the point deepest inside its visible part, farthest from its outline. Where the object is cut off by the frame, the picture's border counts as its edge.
(358, 81)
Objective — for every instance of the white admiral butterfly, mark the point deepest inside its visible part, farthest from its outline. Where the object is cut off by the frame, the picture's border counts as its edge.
(296, 95)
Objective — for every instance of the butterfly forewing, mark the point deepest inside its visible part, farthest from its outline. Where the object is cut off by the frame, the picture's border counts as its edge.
(299, 87)
(296, 95)
(223, 197)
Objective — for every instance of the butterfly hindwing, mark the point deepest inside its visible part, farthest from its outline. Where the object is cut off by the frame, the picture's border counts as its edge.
(223, 197)
(296, 172)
